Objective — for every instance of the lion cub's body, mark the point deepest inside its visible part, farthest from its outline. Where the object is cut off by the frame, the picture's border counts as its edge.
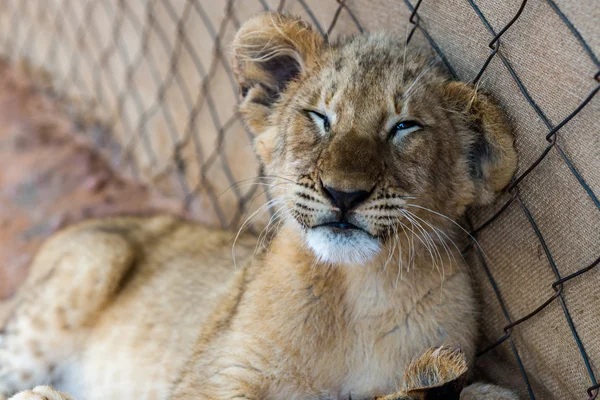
(371, 153)
(137, 308)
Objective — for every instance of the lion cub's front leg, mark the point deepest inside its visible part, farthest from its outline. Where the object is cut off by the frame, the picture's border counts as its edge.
(41, 393)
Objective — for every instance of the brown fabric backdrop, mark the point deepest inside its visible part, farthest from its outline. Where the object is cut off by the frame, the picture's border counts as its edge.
(155, 86)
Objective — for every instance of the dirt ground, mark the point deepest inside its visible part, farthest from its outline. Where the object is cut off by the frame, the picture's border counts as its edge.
(49, 177)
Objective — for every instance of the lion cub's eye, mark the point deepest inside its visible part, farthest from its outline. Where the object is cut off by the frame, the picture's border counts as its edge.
(319, 119)
(405, 127)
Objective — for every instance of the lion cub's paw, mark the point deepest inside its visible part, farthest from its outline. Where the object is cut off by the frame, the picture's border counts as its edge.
(41, 393)
(438, 374)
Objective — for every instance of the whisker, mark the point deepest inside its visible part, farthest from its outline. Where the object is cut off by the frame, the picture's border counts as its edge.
(251, 219)
(443, 276)
(278, 177)
(235, 184)
(393, 249)
(411, 216)
(426, 240)
(404, 55)
(458, 225)
(276, 217)
(400, 256)
(413, 248)
(418, 78)
(439, 231)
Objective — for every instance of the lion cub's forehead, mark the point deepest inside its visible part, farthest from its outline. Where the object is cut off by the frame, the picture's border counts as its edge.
(369, 72)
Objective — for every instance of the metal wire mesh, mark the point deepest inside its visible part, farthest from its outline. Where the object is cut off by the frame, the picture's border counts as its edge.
(134, 73)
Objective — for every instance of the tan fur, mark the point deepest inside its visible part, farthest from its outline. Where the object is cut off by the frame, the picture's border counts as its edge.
(41, 393)
(153, 308)
(440, 368)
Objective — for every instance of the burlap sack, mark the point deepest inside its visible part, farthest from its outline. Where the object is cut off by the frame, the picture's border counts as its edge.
(159, 79)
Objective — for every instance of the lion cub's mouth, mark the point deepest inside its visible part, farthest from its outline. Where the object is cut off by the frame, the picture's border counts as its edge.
(340, 225)
(342, 242)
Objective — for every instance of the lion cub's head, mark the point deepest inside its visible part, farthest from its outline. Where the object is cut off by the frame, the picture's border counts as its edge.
(365, 141)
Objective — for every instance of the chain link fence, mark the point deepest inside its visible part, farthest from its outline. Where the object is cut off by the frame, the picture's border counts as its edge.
(151, 86)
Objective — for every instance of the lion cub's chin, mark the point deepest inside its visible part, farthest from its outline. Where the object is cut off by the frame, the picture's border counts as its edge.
(342, 246)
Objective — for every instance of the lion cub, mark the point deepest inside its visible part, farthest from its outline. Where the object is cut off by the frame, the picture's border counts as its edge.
(371, 153)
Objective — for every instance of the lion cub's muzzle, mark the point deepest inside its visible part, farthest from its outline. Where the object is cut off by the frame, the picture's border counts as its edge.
(332, 221)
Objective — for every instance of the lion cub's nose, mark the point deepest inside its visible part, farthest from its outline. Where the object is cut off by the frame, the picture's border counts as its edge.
(346, 200)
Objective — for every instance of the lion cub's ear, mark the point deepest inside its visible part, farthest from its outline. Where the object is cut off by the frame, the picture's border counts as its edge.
(269, 51)
(491, 154)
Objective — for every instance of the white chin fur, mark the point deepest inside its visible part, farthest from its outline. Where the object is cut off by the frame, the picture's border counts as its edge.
(342, 247)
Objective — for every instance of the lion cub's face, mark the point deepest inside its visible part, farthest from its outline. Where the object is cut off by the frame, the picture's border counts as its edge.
(364, 141)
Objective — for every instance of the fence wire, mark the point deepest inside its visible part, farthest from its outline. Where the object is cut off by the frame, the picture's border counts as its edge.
(188, 159)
